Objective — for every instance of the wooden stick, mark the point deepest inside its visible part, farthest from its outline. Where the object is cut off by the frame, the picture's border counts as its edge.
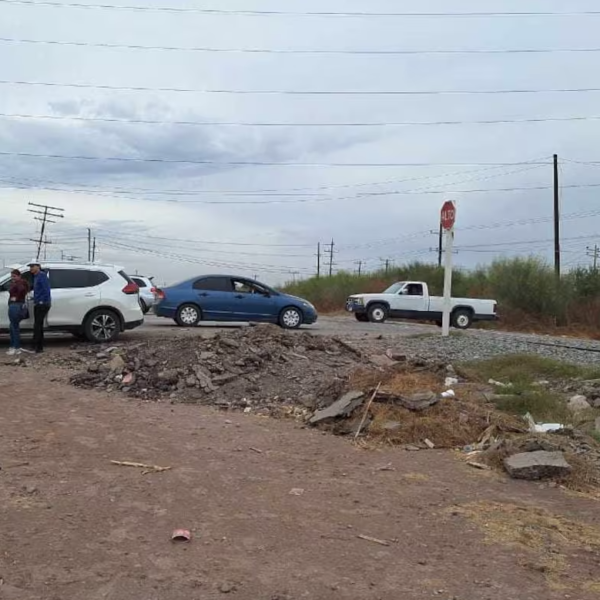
(148, 468)
(367, 411)
(368, 538)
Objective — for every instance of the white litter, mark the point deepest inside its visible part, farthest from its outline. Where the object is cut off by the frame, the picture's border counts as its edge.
(450, 381)
(541, 427)
(499, 383)
(449, 394)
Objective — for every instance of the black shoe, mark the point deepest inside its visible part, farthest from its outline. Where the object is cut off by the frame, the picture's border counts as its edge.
(39, 350)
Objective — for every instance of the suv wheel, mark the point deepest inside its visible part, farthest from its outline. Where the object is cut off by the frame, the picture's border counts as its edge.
(377, 313)
(290, 318)
(188, 315)
(143, 306)
(102, 326)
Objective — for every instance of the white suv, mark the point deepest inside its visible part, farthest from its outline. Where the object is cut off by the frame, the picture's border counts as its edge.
(92, 301)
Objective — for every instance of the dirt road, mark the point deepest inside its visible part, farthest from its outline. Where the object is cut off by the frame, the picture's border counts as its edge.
(73, 526)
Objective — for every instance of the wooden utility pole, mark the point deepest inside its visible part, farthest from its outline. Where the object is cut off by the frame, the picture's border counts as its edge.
(89, 245)
(330, 251)
(94, 250)
(318, 260)
(359, 269)
(556, 218)
(47, 213)
(594, 253)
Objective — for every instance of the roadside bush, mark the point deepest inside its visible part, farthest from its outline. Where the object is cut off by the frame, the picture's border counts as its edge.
(529, 295)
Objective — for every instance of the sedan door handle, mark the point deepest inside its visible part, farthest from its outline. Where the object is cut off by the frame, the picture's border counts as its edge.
(203, 294)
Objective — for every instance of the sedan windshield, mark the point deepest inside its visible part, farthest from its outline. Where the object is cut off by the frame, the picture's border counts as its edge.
(394, 289)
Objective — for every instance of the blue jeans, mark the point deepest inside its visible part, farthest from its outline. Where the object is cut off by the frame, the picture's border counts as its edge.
(15, 315)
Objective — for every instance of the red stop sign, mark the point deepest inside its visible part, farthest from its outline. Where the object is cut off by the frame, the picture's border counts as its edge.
(448, 215)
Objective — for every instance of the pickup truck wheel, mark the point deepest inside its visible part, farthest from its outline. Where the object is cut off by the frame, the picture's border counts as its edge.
(362, 318)
(377, 313)
(462, 319)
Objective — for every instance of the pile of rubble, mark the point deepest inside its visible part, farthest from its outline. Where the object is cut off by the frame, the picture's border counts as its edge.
(260, 368)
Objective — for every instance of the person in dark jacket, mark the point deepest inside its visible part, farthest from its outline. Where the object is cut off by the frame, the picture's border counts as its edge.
(17, 294)
(42, 302)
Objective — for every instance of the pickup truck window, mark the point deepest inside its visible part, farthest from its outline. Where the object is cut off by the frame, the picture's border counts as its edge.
(414, 289)
(394, 289)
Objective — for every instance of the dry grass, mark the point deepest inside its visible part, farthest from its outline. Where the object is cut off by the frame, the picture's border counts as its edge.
(448, 424)
(549, 537)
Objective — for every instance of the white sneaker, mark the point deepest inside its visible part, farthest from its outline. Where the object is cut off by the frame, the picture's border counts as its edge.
(17, 351)
(11, 352)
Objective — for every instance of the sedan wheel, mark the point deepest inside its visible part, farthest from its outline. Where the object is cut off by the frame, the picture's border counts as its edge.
(188, 315)
(102, 326)
(290, 318)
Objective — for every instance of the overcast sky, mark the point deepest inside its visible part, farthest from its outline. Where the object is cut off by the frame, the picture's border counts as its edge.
(174, 219)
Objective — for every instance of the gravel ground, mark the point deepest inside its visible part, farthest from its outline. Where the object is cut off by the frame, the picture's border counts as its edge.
(480, 345)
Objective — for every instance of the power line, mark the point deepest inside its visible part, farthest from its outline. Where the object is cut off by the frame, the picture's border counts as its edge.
(279, 192)
(299, 51)
(260, 163)
(295, 124)
(233, 12)
(299, 92)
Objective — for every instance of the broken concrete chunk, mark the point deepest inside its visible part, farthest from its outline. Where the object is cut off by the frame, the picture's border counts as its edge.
(578, 404)
(396, 356)
(537, 465)
(381, 360)
(343, 407)
(419, 401)
(117, 364)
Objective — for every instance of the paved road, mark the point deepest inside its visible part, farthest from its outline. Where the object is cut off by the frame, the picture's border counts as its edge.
(338, 325)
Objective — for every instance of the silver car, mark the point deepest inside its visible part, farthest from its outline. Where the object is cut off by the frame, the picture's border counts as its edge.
(147, 292)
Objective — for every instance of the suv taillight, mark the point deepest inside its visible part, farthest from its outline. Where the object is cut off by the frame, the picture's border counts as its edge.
(153, 290)
(130, 289)
(160, 295)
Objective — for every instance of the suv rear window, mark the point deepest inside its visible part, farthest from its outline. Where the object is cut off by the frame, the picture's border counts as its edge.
(76, 278)
(141, 283)
(214, 284)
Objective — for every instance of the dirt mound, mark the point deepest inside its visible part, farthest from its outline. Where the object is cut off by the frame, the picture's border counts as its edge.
(258, 368)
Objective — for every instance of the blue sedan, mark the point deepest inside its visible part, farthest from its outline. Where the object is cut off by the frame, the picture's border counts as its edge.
(227, 298)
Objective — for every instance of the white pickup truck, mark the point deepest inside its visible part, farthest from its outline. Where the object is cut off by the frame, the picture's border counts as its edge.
(411, 300)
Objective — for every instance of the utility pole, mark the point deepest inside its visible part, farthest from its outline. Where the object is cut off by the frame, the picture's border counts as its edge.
(330, 251)
(47, 213)
(89, 245)
(94, 250)
(46, 242)
(556, 219)
(594, 253)
(359, 269)
(386, 263)
(318, 260)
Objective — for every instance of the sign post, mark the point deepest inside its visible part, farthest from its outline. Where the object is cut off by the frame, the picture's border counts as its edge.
(447, 220)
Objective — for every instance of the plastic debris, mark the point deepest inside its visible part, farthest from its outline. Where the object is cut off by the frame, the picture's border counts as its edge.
(541, 427)
(181, 535)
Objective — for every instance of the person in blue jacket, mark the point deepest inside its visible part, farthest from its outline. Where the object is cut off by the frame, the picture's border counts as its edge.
(42, 302)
